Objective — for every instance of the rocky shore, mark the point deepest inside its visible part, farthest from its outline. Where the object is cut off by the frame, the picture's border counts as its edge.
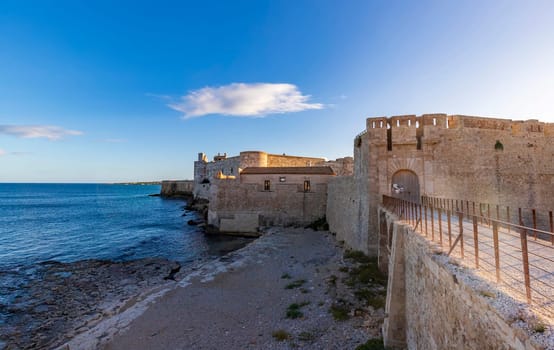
(44, 306)
(291, 288)
(61, 300)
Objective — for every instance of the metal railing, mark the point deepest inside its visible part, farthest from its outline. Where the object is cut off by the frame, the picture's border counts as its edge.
(539, 220)
(515, 256)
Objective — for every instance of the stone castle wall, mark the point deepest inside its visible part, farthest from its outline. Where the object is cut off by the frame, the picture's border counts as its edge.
(243, 205)
(496, 161)
(205, 171)
(177, 188)
(276, 160)
(344, 212)
(458, 158)
(342, 166)
(349, 203)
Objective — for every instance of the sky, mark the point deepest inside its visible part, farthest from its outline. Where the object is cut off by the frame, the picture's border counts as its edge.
(116, 91)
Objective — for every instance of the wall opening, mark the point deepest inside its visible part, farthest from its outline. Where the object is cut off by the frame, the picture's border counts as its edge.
(389, 139)
(419, 135)
(267, 185)
(307, 186)
(405, 185)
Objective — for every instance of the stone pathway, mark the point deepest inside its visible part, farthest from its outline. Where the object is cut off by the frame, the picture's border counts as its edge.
(511, 272)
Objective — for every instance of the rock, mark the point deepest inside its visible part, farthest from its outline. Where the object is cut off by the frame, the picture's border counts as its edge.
(63, 299)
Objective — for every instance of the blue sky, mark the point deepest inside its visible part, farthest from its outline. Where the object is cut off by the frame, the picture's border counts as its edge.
(104, 91)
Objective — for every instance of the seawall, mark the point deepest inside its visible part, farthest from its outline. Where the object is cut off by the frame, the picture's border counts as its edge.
(177, 188)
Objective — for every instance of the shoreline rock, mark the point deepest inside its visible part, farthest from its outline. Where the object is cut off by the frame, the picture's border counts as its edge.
(59, 300)
(64, 299)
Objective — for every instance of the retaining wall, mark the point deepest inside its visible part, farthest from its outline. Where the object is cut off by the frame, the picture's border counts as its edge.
(431, 307)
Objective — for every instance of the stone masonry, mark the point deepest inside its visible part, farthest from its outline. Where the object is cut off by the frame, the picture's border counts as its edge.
(496, 161)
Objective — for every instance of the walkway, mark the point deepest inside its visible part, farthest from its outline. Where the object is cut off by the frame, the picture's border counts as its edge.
(519, 259)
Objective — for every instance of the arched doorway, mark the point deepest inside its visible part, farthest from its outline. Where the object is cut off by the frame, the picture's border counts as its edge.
(405, 185)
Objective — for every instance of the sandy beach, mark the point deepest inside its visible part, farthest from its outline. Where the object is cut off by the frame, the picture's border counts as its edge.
(276, 293)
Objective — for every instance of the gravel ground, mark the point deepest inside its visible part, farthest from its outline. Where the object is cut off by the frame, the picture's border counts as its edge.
(241, 300)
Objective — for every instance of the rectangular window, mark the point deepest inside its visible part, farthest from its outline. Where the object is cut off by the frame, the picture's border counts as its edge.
(267, 185)
(282, 179)
(307, 186)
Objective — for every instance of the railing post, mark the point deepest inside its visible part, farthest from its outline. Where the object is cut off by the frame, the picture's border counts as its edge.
(425, 212)
(525, 258)
(414, 219)
(496, 250)
(489, 214)
(508, 217)
(449, 231)
(420, 218)
(476, 241)
(461, 224)
(432, 224)
(551, 226)
(535, 224)
(439, 211)
(497, 212)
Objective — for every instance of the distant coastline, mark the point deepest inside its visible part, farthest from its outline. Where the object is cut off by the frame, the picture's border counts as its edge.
(142, 183)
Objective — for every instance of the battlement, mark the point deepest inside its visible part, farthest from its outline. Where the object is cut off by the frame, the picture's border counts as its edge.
(443, 121)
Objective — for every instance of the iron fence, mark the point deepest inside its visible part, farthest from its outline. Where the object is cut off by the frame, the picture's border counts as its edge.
(516, 256)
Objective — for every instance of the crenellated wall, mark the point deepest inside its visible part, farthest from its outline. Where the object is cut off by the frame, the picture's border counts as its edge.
(205, 171)
(488, 160)
(457, 157)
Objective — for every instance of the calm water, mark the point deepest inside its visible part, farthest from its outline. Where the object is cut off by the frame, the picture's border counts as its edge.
(69, 222)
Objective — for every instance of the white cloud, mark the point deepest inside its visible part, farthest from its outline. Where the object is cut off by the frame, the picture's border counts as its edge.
(2, 152)
(37, 131)
(244, 100)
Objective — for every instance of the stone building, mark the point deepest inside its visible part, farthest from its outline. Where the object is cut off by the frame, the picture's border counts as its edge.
(496, 161)
(266, 196)
(222, 166)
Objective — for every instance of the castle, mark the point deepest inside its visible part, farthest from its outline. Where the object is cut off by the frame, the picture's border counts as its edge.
(496, 161)
(451, 156)
(483, 160)
(257, 189)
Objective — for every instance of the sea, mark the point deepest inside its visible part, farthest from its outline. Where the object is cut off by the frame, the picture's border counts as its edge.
(71, 222)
